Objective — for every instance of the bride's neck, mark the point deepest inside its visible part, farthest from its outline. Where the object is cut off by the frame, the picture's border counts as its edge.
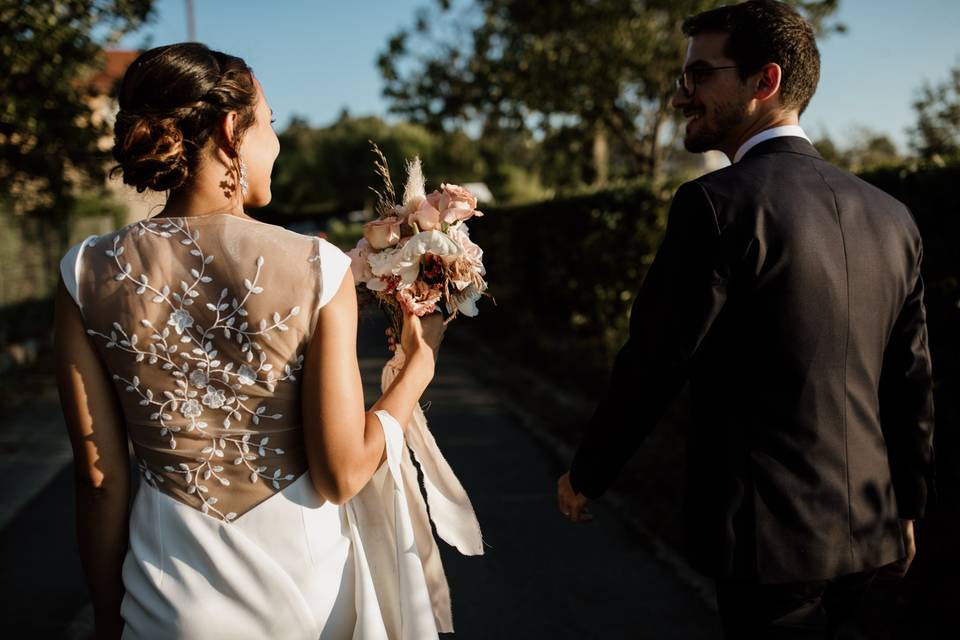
(202, 196)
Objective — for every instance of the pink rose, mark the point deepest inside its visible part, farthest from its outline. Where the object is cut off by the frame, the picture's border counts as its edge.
(454, 194)
(382, 233)
(457, 204)
(426, 216)
(435, 199)
(471, 250)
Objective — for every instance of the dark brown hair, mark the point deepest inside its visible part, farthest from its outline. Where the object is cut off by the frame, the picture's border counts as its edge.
(172, 99)
(764, 31)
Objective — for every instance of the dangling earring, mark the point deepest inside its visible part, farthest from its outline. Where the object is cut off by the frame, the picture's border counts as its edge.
(243, 177)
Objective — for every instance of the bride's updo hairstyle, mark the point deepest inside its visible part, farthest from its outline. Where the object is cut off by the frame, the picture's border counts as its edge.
(172, 100)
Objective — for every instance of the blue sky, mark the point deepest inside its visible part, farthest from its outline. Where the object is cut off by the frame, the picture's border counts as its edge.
(315, 58)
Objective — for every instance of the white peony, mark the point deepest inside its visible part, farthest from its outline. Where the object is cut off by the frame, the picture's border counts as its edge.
(472, 251)
(405, 261)
(382, 263)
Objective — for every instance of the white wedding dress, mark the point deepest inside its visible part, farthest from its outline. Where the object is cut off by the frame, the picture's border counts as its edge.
(203, 323)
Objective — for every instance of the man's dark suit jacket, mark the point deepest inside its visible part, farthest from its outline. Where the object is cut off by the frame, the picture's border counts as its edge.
(789, 293)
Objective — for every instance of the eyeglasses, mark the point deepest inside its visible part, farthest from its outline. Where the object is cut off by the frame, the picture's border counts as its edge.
(687, 81)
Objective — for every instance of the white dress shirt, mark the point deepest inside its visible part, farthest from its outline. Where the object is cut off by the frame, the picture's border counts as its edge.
(767, 134)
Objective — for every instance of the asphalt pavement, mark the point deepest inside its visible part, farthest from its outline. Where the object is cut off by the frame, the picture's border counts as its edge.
(541, 576)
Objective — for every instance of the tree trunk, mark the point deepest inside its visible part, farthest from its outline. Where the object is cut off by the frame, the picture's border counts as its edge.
(634, 144)
(655, 160)
(601, 155)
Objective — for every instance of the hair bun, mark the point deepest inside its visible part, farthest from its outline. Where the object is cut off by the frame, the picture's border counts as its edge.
(171, 100)
(150, 152)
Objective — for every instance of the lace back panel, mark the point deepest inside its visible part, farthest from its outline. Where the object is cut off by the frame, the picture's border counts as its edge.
(203, 323)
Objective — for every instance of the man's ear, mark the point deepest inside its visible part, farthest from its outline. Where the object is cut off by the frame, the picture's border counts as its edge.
(768, 82)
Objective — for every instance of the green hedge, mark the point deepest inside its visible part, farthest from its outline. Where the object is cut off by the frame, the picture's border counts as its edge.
(933, 196)
(563, 274)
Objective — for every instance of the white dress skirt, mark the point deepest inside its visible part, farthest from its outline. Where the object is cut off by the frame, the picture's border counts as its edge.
(292, 567)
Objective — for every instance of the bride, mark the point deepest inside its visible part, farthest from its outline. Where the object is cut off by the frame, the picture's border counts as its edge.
(224, 349)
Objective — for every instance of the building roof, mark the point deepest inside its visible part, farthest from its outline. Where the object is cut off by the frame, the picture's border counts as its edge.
(116, 65)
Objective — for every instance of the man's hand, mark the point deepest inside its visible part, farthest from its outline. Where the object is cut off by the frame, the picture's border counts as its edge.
(572, 504)
(898, 569)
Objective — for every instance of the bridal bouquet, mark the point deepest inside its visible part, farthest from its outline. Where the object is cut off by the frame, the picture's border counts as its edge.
(418, 253)
(415, 257)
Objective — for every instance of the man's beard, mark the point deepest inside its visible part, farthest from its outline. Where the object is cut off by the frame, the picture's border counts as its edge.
(727, 116)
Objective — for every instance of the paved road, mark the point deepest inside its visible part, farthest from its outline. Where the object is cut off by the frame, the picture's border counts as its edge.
(541, 577)
(42, 585)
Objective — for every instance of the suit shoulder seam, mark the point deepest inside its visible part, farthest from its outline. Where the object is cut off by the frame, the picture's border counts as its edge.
(713, 208)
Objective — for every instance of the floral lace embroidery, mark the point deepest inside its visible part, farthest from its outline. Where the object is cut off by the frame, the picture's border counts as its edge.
(220, 383)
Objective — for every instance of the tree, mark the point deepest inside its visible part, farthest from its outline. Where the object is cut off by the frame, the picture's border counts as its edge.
(872, 150)
(49, 52)
(601, 68)
(829, 150)
(328, 170)
(867, 150)
(936, 137)
(48, 138)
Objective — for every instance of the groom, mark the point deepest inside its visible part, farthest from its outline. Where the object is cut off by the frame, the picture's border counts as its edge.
(789, 293)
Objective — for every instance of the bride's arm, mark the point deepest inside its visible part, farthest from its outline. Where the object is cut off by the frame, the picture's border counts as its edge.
(94, 421)
(345, 444)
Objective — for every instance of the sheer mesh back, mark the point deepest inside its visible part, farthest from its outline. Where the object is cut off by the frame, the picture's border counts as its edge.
(203, 323)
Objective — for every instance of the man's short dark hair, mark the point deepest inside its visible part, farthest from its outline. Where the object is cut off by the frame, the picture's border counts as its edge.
(761, 32)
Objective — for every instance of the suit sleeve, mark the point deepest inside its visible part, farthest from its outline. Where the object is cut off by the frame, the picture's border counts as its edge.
(681, 295)
(906, 404)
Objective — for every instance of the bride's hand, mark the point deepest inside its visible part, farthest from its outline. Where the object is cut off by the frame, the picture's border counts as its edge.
(433, 328)
(419, 332)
